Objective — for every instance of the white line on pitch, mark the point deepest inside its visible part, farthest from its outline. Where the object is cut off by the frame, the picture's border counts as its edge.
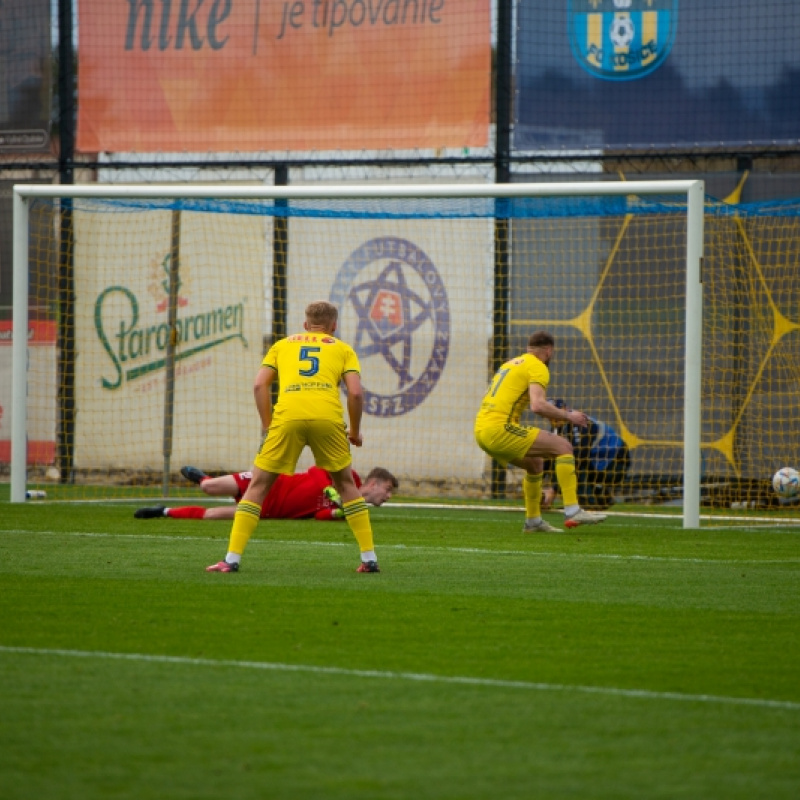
(421, 677)
(419, 548)
(619, 514)
(741, 522)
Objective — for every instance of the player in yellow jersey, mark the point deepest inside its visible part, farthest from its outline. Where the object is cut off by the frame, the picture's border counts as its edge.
(309, 367)
(519, 384)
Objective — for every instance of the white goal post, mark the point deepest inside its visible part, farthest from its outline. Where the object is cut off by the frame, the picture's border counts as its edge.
(680, 192)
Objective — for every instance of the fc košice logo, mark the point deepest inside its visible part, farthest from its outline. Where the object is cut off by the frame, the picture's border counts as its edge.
(622, 39)
(393, 309)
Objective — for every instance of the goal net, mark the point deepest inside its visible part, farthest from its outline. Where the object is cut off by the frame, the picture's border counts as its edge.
(147, 311)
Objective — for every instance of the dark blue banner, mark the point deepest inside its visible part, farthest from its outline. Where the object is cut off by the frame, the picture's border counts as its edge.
(25, 75)
(667, 74)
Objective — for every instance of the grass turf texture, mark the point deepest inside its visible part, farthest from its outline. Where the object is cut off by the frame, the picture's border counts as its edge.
(627, 660)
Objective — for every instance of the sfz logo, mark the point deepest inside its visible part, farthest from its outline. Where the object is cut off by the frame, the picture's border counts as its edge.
(622, 39)
(393, 309)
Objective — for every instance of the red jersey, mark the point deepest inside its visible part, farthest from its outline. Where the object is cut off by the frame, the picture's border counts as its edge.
(297, 496)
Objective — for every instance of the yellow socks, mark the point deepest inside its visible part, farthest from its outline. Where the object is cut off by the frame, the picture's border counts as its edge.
(567, 480)
(532, 490)
(248, 514)
(356, 515)
(244, 523)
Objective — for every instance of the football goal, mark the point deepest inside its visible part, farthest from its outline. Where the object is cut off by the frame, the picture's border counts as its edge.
(141, 314)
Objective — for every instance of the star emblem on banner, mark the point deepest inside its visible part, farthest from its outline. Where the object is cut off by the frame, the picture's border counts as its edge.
(389, 312)
(393, 306)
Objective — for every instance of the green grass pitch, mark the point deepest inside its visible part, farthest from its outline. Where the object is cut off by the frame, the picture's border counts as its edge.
(627, 660)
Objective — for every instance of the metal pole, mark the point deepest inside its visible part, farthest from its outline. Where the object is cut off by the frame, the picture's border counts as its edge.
(19, 354)
(169, 360)
(337, 191)
(66, 275)
(692, 429)
(280, 262)
(502, 223)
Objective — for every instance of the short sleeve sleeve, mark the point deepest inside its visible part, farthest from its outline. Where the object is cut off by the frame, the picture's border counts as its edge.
(351, 361)
(271, 358)
(538, 373)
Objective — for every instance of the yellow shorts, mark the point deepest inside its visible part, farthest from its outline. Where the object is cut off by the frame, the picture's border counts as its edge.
(507, 442)
(284, 443)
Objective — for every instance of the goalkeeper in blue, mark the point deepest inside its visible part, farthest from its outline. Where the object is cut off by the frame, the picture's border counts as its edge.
(602, 459)
(519, 384)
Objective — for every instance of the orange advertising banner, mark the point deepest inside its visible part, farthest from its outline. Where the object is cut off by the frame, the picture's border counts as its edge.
(248, 75)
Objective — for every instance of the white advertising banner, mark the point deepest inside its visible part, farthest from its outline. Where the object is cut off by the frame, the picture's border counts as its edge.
(122, 304)
(416, 306)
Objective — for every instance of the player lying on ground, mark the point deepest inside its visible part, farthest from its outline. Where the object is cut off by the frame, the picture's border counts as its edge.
(304, 495)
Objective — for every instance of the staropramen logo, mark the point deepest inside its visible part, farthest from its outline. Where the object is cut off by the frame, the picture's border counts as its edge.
(136, 336)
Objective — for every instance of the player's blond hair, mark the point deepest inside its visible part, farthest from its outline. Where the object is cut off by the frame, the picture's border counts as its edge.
(321, 314)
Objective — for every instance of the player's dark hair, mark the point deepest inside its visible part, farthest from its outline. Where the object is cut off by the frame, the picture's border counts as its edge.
(381, 474)
(541, 339)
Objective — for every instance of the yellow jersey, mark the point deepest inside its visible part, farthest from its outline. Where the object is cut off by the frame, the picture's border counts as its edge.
(310, 367)
(508, 393)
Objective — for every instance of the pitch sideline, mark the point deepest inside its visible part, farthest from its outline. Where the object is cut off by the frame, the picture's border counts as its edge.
(419, 677)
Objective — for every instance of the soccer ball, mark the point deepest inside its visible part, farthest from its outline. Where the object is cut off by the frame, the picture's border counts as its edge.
(786, 482)
(622, 30)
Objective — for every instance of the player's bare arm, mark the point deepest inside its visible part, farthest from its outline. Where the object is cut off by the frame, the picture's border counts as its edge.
(222, 486)
(262, 391)
(355, 406)
(541, 406)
